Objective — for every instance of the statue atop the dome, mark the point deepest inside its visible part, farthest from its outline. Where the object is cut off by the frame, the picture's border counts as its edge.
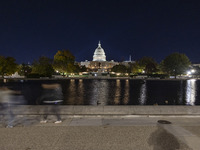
(99, 44)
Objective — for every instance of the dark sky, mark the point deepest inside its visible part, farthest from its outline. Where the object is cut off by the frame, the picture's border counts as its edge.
(33, 28)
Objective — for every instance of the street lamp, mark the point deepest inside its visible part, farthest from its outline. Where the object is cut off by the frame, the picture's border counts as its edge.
(192, 71)
(189, 73)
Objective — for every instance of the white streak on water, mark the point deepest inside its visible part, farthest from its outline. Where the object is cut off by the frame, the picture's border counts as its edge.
(190, 92)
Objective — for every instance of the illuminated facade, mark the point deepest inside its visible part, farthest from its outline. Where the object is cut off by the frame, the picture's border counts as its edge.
(99, 62)
(99, 54)
(102, 66)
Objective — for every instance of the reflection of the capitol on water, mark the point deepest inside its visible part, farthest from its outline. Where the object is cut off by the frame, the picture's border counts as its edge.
(99, 92)
(190, 92)
(101, 88)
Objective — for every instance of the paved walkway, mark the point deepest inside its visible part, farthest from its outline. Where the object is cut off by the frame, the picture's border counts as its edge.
(102, 133)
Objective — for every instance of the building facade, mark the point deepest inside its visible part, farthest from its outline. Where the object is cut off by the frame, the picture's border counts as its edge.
(99, 63)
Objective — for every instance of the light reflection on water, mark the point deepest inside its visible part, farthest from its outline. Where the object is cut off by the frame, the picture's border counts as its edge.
(143, 90)
(126, 92)
(190, 92)
(72, 92)
(131, 92)
(80, 91)
(118, 92)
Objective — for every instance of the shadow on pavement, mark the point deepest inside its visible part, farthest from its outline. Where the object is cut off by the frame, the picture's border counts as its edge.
(163, 140)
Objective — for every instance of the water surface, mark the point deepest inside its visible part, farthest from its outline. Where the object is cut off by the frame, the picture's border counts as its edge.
(117, 92)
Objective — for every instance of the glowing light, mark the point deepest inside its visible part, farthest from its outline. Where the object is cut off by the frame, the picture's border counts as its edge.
(84, 72)
(191, 72)
(188, 73)
(193, 80)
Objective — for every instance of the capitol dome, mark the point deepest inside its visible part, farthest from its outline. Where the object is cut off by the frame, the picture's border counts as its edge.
(99, 54)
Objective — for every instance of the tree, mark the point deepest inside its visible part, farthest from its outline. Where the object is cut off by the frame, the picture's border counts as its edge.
(43, 66)
(24, 69)
(64, 62)
(119, 68)
(148, 64)
(83, 69)
(76, 69)
(135, 68)
(175, 64)
(7, 65)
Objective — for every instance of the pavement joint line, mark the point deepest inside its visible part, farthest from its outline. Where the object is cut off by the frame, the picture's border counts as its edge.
(176, 116)
(136, 116)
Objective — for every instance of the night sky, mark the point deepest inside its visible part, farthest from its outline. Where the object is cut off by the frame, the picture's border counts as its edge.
(33, 28)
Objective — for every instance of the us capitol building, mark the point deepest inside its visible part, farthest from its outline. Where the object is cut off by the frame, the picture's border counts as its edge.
(99, 63)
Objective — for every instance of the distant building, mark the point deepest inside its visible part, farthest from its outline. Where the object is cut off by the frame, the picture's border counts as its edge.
(128, 62)
(99, 63)
(195, 65)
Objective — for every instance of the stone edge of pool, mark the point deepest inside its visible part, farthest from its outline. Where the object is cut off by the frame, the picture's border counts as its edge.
(169, 110)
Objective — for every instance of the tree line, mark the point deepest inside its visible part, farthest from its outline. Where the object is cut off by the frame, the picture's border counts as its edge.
(64, 63)
(174, 64)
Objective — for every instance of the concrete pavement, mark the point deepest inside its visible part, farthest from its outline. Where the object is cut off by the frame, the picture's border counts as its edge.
(125, 132)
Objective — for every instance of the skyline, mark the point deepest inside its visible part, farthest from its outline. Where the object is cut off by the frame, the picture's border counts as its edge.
(30, 29)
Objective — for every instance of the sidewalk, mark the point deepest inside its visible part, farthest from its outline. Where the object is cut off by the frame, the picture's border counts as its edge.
(102, 133)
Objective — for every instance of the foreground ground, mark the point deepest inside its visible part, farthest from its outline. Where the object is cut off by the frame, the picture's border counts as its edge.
(101, 133)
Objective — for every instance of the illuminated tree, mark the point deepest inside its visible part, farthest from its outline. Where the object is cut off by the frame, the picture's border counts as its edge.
(135, 68)
(148, 64)
(175, 64)
(64, 62)
(7, 65)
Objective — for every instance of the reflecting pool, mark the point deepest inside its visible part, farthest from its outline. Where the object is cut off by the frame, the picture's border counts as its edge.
(116, 91)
